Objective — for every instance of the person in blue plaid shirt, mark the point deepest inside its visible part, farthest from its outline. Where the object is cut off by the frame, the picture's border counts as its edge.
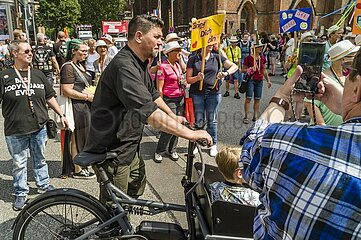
(309, 176)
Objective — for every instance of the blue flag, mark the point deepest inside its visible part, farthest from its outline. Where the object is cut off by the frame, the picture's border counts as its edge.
(295, 20)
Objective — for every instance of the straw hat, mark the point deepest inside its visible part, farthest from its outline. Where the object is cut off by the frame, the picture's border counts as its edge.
(233, 39)
(341, 50)
(358, 40)
(332, 29)
(171, 46)
(306, 35)
(171, 37)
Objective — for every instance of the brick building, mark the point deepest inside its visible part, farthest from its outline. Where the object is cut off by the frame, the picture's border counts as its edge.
(241, 14)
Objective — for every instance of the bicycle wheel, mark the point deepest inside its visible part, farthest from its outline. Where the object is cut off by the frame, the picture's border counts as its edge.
(59, 217)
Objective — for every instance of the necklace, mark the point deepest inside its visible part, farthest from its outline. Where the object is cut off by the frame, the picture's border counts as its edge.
(26, 84)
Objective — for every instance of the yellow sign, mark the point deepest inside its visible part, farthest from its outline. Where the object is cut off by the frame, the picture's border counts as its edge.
(206, 31)
(356, 29)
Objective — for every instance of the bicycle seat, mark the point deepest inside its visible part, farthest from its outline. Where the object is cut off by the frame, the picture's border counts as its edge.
(85, 159)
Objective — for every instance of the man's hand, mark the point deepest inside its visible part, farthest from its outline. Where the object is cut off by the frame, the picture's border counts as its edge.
(202, 135)
(284, 92)
(64, 122)
(180, 119)
(330, 93)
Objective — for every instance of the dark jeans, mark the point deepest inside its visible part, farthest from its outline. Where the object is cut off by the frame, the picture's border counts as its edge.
(167, 140)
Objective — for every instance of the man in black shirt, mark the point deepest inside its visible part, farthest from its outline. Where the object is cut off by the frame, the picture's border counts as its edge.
(125, 100)
(59, 49)
(44, 59)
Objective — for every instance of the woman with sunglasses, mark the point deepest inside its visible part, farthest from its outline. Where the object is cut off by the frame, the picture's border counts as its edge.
(26, 94)
(170, 87)
(341, 57)
(74, 80)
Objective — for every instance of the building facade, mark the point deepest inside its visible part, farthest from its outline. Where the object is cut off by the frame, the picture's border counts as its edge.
(249, 15)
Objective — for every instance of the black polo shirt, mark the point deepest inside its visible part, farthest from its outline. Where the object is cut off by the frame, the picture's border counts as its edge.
(123, 101)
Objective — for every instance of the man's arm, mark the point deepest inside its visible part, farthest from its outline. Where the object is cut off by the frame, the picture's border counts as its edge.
(162, 121)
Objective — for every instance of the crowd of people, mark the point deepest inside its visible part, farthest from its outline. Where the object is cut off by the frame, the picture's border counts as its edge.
(147, 82)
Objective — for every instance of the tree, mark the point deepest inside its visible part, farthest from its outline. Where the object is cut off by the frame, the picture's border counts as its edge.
(58, 14)
(95, 11)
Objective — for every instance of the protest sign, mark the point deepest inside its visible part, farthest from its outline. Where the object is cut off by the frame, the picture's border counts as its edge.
(206, 31)
(295, 20)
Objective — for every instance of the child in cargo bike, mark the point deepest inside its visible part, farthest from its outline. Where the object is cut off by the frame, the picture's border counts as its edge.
(233, 189)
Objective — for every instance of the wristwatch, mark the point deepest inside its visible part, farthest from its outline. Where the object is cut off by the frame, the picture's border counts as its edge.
(280, 102)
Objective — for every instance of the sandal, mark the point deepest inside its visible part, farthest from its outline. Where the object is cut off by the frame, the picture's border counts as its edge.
(254, 119)
(245, 120)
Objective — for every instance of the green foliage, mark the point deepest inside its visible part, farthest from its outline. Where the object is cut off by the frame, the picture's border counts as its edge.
(57, 14)
(95, 11)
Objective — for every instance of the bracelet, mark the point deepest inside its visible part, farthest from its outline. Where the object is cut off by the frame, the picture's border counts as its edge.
(61, 115)
(280, 102)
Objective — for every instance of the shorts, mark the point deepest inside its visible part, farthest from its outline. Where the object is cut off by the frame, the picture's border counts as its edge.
(254, 87)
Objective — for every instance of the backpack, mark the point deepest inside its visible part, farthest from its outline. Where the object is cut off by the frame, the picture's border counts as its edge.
(41, 59)
(62, 50)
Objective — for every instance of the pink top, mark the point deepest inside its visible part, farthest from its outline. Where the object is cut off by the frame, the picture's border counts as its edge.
(171, 75)
(258, 74)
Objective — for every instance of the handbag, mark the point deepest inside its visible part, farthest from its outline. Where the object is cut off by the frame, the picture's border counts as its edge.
(189, 110)
(51, 128)
(66, 107)
(243, 86)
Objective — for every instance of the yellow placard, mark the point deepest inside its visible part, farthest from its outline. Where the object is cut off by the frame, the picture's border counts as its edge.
(206, 31)
(356, 29)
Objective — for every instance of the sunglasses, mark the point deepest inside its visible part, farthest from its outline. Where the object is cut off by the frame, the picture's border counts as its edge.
(27, 51)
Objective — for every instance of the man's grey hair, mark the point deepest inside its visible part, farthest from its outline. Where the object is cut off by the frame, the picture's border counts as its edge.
(40, 37)
(14, 45)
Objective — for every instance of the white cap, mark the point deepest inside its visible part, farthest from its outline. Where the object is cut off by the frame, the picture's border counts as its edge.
(341, 50)
(107, 37)
(100, 43)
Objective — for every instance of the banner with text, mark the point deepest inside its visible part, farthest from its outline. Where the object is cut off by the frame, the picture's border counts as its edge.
(295, 20)
(114, 27)
(206, 31)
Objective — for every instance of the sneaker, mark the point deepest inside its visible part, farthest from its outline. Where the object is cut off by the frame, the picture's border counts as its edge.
(157, 158)
(84, 174)
(226, 94)
(237, 96)
(19, 203)
(45, 189)
(174, 156)
(213, 151)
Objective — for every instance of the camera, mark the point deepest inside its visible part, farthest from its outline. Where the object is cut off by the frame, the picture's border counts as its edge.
(310, 58)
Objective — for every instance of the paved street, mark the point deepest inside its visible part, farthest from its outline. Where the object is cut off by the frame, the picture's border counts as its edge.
(163, 179)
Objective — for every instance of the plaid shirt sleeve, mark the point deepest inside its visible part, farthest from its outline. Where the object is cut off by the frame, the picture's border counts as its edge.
(309, 179)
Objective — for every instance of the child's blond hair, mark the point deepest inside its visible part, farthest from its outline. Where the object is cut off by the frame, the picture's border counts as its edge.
(228, 161)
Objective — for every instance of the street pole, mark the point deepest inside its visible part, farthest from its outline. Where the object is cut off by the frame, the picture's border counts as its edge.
(171, 11)
(16, 13)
